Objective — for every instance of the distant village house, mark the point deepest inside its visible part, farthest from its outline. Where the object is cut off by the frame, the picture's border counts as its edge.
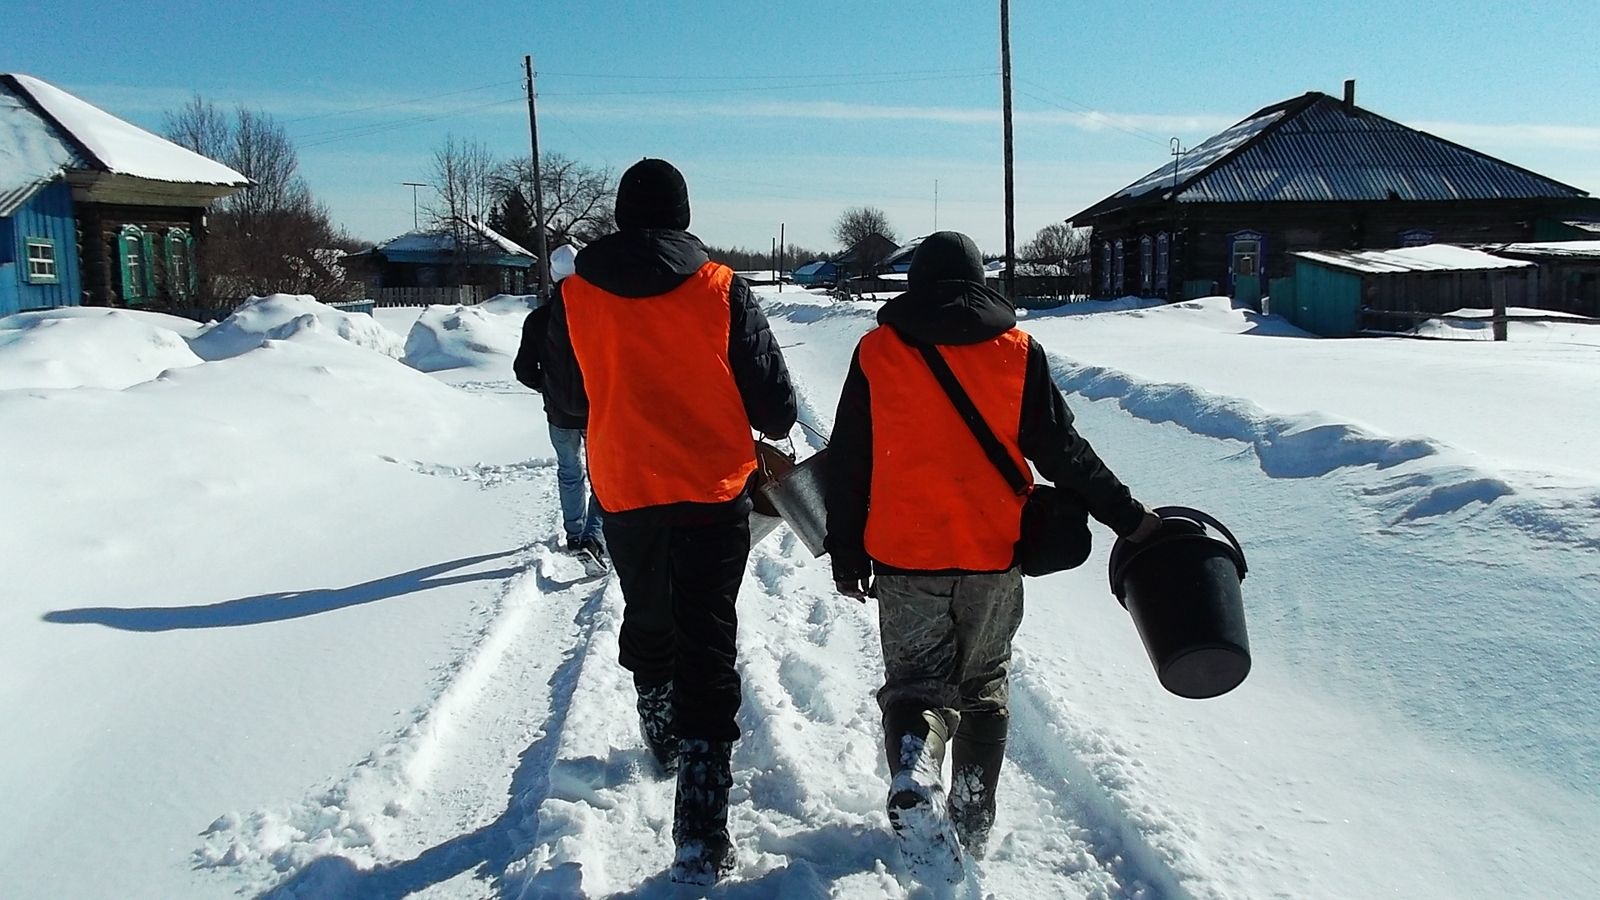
(1314, 173)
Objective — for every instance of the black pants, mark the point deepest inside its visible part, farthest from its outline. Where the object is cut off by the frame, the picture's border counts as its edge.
(679, 624)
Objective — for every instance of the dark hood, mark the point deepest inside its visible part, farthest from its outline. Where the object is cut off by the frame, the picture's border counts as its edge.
(949, 312)
(948, 302)
(641, 262)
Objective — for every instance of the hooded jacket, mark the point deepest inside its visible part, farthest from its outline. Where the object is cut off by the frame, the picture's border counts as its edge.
(954, 311)
(645, 266)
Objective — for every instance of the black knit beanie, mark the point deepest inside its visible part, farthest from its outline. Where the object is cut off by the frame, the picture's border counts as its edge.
(945, 256)
(652, 194)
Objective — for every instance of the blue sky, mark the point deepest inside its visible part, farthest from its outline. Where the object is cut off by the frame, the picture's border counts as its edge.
(788, 113)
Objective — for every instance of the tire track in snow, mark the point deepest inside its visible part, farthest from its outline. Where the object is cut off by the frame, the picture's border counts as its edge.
(415, 812)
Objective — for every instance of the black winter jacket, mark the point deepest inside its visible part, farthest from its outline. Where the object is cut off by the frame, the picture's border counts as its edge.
(958, 313)
(565, 404)
(644, 263)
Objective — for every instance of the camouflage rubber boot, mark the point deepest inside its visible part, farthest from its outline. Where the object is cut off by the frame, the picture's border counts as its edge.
(700, 813)
(655, 723)
(914, 740)
(976, 754)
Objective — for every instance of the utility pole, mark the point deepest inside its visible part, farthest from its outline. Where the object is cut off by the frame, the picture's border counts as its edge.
(774, 260)
(783, 249)
(936, 204)
(538, 186)
(1005, 90)
(414, 185)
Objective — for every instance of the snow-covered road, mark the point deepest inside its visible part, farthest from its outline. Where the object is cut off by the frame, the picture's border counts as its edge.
(1421, 721)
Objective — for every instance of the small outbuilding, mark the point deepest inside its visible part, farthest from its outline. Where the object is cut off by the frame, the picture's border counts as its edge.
(1337, 293)
(1568, 279)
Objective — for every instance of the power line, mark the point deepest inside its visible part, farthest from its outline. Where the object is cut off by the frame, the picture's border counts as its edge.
(361, 109)
(359, 131)
(856, 75)
(765, 87)
(1092, 115)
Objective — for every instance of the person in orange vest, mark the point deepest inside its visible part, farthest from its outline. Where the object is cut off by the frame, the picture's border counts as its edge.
(913, 500)
(678, 366)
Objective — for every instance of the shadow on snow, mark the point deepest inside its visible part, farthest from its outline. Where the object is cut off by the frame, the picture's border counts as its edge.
(282, 605)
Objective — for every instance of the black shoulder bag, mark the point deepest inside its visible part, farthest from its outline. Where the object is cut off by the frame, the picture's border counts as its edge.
(1055, 523)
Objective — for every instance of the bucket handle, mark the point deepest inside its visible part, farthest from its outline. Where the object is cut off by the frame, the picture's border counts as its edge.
(820, 436)
(1196, 515)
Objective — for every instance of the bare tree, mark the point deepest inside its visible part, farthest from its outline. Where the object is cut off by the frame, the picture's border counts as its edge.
(200, 126)
(463, 182)
(1055, 244)
(579, 199)
(272, 236)
(858, 222)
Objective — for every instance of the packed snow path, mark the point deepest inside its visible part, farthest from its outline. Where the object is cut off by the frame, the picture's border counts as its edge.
(1422, 720)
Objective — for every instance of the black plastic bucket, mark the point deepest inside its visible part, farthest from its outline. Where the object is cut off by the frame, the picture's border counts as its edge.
(1182, 588)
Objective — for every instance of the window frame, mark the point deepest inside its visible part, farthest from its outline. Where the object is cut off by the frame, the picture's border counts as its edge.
(1163, 278)
(182, 284)
(1147, 266)
(129, 239)
(28, 259)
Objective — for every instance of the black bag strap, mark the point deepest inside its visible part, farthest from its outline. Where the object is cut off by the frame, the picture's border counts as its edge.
(992, 447)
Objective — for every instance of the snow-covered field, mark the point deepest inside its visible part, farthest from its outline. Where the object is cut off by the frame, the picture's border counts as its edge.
(283, 617)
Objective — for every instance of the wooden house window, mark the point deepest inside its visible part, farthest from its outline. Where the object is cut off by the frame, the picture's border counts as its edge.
(1416, 237)
(1105, 267)
(41, 261)
(1246, 257)
(180, 262)
(1147, 266)
(1119, 269)
(1163, 262)
(133, 253)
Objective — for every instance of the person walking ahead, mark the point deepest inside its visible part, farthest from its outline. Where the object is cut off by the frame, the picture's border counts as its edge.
(678, 364)
(567, 410)
(913, 498)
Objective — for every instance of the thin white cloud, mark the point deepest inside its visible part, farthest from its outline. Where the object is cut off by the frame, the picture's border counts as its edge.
(1562, 137)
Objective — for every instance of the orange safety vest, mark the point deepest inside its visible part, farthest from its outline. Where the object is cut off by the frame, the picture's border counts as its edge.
(937, 501)
(666, 422)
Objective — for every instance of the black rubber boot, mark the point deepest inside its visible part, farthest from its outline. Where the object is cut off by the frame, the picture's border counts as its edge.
(700, 814)
(914, 740)
(655, 723)
(976, 754)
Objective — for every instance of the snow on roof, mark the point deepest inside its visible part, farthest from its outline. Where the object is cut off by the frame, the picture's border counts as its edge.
(1430, 258)
(444, 241)
(31, 153)
(1554, 249)
(116, 146)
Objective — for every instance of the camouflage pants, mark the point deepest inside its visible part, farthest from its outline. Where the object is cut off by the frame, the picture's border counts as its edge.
(947, 640)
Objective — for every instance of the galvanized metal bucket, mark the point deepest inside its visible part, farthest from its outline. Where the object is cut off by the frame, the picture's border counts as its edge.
(798, 496)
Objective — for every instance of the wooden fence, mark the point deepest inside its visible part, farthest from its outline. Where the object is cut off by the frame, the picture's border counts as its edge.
(464, 295)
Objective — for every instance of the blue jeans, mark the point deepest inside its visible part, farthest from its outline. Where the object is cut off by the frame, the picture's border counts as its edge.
(579, 522)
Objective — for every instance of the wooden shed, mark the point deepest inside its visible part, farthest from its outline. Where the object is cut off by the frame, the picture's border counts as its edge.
(1341, 292)
(1568, 279)
(1312, 173)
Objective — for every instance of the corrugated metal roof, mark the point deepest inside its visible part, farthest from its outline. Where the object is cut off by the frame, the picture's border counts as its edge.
(1431, 258)
(1315, 149)
(1586, 250)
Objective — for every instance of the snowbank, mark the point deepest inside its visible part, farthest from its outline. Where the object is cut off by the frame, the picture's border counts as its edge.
(260, 319)
(454, 337)
(89, 347)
